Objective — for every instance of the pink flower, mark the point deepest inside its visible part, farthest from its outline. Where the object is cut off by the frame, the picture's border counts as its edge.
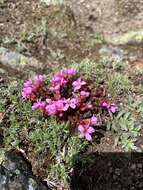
(93, 120)
(27, 92)
(55, 79)
(112, 108)
(71, 103)
(78, 84)
(48, 100)
(60, 104)
(32, 86)
(105, 105)
(86, 132)
(28, 83)
(70, 71)
(39, 105)
(84, 94)
(58, 80)
(89, 105)
(55, 88)
(51, 109)
(86, 106)
(39, 81)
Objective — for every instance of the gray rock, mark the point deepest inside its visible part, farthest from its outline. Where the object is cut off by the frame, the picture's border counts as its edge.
(112, 56)
(16, 174)
(108, 50)
(16, 63)
(132, 37)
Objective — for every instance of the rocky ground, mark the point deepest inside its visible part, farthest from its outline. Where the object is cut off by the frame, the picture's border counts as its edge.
(16, 174)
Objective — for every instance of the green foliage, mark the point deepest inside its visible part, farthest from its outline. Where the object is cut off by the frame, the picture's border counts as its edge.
(62, 144)
(135, 104)
(114, 63)
(64, 158)
(91, 70)
(57, 138)
(98, 38)
(125, 130)
(118, 83)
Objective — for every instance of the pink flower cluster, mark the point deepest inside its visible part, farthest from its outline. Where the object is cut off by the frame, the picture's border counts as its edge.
(61, 78)
(111, 107)
(56, 107)
(58, 104)
(67, 78)
(85, 127)
(32, 87)
(68, 94)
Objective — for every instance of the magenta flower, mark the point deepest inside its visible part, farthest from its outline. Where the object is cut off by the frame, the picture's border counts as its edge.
(55, 88)
(51, 109)
(60, 104)
(112, 108)
(39, 105)
(93, 120)
(39, 81)
(86, 132)
(105, 105)
(71, 103)
(86, 106)
(32, 87)
(28, 83)
(70, 71)
(27, 90)
(78, 84)
(84, 94)
(55, 79)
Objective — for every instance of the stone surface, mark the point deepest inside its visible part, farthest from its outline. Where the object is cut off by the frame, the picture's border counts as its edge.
(15, 174)
(16, 63)
(127, 38)
(109, 17)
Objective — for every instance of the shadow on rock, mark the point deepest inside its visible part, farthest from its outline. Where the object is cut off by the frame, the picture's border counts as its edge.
(104, 171)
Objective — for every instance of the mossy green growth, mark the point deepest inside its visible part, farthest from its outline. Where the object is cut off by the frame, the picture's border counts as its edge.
(125, 130)
(118, 83)
(58, 139)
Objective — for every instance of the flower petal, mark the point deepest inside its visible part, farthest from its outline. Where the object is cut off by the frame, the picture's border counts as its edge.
(81, 135)
(81, 128)
(93, 120)
(88, 137)
(90, 130)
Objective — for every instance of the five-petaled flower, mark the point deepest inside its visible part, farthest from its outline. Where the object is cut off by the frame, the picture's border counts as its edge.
(86, 132)
(78, 84)
(111, 107)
